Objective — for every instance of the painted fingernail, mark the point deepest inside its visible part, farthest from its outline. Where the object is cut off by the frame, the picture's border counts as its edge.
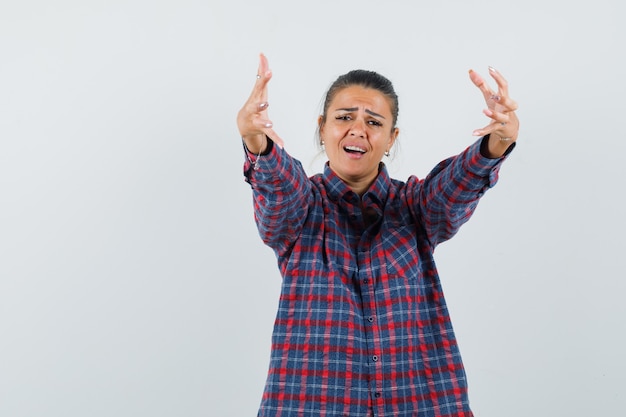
(263, 105)
(268, 124)
(495, 97)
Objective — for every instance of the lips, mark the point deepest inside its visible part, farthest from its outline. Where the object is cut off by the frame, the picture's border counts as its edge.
(354, 149)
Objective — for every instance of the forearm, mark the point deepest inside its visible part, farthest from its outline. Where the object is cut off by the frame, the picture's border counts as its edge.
(452, 189)
(281, 195)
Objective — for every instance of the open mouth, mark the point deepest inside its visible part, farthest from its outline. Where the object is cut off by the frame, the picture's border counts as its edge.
(354, 149)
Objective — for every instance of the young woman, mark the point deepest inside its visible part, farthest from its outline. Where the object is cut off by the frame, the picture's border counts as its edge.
(362, 327)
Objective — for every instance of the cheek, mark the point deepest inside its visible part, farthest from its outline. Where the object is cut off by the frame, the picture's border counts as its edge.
(325, 130)
(330, 132)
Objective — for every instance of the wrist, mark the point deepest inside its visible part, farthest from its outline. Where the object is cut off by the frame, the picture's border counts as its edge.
(256, 144)
(494, 146)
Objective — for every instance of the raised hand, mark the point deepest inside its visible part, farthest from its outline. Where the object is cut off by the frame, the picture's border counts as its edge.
(252, 120)
(504, 125)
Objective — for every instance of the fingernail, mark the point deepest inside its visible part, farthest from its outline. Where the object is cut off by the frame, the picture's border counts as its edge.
(475, 133)
(492, 69)
(488, 112)
(263, 105)
(268, 124)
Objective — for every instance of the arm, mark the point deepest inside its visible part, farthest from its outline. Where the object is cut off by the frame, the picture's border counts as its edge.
(282, 193)
(450, 193)
(281, 189)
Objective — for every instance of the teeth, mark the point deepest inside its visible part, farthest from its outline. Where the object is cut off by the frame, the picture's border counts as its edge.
(355, 148)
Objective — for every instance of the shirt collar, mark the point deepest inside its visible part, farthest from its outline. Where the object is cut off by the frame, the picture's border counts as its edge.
(376, 194)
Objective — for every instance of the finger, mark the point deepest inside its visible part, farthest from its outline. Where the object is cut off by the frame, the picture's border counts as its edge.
(503, 85)
(262, 123)
(484, 130)
(491, 99)
(496, 116)
(503, 125)
(270, 133)
(492, 128)
(264, 68)
(481, 84)
(264, 75)
(507, 103)
(498, 121)
(253, 107)
(503, 104)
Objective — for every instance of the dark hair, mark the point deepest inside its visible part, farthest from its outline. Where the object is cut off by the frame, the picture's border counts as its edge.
(366, 79)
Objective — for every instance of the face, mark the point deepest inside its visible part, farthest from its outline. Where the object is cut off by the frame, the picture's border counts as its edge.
(357, 133)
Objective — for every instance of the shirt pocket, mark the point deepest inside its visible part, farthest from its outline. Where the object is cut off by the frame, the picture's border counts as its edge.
(399, 244)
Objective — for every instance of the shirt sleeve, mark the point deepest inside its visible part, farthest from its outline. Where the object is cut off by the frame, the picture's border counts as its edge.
(281, 194)
(450, 193)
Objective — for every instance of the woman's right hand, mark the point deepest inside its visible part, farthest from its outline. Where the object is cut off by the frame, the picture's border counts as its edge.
(252, 120)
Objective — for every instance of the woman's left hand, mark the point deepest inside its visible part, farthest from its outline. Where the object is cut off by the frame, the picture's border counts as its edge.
(504, 126)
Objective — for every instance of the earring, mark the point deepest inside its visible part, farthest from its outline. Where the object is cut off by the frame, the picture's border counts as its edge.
(387, 152)
(322, 143)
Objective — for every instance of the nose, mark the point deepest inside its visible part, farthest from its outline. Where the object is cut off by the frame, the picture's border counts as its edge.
(358, 128)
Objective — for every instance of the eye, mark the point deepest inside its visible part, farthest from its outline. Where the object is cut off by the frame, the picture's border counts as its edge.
(343, 117)
(375, 122)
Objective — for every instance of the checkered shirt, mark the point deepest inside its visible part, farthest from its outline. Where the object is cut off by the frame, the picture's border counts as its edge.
(362, 324)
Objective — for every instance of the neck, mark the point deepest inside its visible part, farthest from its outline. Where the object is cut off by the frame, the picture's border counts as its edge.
(359, 187)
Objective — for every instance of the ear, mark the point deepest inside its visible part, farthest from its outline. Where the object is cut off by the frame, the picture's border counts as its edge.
(394, 134)
(320, 126)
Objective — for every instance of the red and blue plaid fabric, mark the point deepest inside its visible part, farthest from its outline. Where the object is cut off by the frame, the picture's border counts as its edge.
(362, 322)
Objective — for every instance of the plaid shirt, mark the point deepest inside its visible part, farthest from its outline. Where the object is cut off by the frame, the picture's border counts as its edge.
(362, 324)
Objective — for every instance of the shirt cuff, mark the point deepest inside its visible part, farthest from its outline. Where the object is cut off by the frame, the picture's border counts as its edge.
(482, 166)
(252, 162)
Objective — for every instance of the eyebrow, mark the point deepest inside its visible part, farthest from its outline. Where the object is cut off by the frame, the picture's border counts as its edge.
(366, 111)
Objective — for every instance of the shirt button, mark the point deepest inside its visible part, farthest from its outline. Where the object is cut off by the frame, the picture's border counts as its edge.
(370, 319)
(377, 395)
(375, 358)
(366, 281)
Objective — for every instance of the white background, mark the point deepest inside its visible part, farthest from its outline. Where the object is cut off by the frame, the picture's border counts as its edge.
(132, 278)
